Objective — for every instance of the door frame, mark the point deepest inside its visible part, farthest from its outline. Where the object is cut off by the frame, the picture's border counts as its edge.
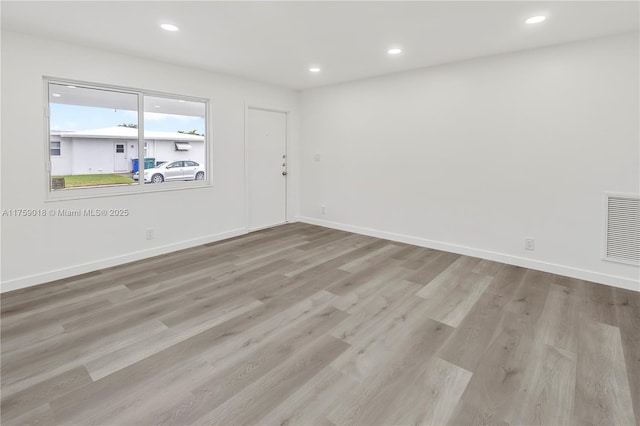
(287, 113)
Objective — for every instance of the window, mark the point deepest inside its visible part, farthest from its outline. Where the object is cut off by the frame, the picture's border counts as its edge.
(182, 146)
(55, 148)
(113, 137)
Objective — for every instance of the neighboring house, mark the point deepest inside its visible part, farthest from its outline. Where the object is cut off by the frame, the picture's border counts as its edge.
(111, 150)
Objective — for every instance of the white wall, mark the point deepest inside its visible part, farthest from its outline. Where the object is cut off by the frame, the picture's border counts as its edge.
(36, 250)
(473, 157)
(93, 156)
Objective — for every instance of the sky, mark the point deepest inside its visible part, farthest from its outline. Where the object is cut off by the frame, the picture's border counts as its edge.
(77, 117)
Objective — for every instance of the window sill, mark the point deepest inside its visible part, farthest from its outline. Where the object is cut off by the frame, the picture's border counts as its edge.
(123, 190)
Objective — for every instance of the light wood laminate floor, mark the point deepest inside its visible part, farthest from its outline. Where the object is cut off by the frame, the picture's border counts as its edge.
(305, 325)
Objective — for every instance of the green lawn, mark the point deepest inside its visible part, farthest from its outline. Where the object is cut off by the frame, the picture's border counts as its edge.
(73, 181)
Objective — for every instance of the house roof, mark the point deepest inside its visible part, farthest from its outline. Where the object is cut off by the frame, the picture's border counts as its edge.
(128, 133)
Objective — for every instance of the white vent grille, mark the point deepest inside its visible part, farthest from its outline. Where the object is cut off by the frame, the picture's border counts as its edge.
(623, 229)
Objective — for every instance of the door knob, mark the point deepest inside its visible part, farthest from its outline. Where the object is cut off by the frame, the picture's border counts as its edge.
(284, 173)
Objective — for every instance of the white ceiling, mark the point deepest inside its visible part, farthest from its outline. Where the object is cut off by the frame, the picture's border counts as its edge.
(277, 42)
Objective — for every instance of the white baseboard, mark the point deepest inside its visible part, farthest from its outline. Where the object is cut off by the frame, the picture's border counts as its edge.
(612, 280)
(31, 280)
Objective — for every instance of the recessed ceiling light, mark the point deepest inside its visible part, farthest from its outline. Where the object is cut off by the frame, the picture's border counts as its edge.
(394, 51)
(169, 27)
(314, 69)
(157, 106)
(535, 19)
(180, 100)
(56, 95)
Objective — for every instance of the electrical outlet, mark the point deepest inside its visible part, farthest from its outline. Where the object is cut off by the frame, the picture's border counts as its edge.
(150, 234)
(323, 209)
(529, 244)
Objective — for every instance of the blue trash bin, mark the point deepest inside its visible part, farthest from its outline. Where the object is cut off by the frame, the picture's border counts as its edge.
(134, 163)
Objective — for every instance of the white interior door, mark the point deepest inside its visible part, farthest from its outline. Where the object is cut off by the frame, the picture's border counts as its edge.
(266, 168)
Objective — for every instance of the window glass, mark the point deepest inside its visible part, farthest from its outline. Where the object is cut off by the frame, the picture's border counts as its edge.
(55, 148)
(99, 132)
(94, 137)
(174, 131)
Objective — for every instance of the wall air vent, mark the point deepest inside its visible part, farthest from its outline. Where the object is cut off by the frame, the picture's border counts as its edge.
(622, 238)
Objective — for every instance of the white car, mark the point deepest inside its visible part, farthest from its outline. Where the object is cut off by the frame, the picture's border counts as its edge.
(172, 170)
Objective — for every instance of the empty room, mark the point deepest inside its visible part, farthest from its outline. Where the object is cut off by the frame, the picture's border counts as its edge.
(320, 213)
